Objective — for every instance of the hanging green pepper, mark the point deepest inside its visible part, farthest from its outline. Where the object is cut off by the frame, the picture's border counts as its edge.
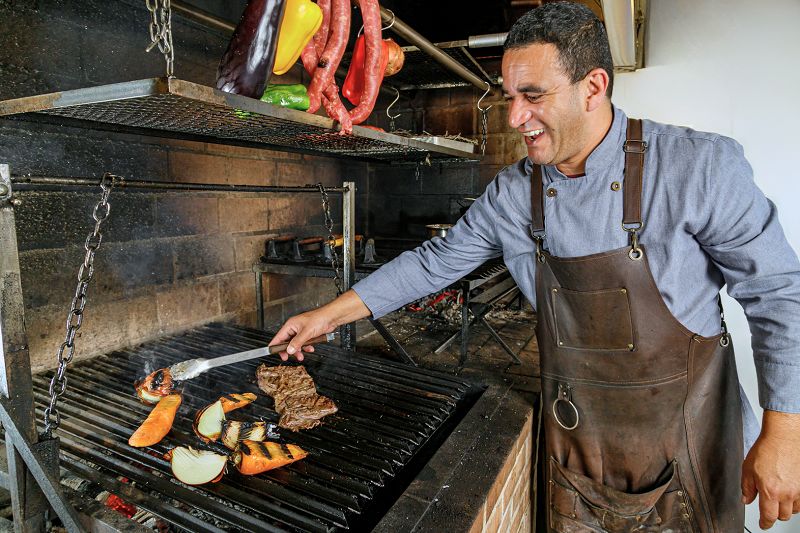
(293, 96)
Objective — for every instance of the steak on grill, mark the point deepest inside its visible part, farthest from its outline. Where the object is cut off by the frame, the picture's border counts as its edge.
(295, 395)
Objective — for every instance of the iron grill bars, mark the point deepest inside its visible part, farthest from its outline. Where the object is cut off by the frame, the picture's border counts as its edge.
(174, 108)
(388, 412)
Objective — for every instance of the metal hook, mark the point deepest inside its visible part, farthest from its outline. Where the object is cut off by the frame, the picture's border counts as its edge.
(396, 98)
(382, 29)
(392, 22)
(481, 109)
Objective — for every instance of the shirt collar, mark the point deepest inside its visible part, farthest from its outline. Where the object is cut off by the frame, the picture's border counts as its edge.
(603, 157)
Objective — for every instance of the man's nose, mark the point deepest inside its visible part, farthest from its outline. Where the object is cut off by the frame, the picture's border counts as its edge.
(517, 114)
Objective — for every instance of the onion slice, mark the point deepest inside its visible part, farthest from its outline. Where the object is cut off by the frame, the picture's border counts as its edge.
(196, 467)
(208, 422)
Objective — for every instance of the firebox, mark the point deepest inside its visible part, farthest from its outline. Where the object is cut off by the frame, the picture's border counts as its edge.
(391, 418)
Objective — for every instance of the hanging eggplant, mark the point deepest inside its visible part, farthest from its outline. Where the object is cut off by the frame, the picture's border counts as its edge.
(247, 64)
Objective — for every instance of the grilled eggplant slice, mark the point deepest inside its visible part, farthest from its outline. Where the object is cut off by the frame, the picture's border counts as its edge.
(233, 432)
(155, 386)
(256, 457)
(196, 467)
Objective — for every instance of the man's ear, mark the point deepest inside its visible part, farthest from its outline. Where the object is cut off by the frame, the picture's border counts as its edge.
(595, 86)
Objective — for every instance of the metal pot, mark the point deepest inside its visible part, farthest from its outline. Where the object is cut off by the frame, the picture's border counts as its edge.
(437, 230)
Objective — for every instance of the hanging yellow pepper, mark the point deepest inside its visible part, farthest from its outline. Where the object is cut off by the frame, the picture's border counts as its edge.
(301, 20)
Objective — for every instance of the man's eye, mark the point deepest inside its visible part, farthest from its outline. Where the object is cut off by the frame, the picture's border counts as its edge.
(533, 97)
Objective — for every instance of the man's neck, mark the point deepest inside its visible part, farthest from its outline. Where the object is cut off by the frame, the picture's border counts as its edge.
(601, 124)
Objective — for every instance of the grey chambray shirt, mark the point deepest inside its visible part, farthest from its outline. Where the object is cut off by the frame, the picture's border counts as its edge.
(706, 224)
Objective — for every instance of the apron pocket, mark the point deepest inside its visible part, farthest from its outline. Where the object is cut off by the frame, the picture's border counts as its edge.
(579, 504)
(593, 320)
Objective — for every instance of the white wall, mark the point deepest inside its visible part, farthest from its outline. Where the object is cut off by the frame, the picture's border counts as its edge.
(731, 67)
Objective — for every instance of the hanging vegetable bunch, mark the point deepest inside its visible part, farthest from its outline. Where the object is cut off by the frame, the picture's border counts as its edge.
(274, 33)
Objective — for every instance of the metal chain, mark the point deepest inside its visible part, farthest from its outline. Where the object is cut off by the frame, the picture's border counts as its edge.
(484, 118)
(161, 30)
(326, 209)
(58, 385)
(484, 129)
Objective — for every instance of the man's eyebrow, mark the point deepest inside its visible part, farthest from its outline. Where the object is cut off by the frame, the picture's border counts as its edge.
(526, 89)
(530, 89)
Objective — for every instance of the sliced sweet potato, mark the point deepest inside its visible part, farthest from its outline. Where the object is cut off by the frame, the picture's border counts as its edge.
(158, 422)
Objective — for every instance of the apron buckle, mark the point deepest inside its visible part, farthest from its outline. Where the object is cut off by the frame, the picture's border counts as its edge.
(636, 252)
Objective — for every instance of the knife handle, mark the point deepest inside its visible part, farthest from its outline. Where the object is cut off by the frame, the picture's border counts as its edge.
(316, 340)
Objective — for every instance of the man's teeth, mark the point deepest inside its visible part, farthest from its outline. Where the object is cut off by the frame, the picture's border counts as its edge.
(533, 133)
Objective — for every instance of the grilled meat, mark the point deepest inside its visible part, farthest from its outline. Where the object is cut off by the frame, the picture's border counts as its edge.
(295, 395)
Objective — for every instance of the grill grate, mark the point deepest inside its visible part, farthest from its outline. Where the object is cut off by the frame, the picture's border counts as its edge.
(195, 111)
(359, 460)
(420, 71)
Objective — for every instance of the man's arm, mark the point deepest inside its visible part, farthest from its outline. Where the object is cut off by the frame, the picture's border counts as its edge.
(742, 234)
(432, 266)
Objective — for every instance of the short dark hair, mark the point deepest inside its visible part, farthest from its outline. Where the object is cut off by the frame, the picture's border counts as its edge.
(576, 32)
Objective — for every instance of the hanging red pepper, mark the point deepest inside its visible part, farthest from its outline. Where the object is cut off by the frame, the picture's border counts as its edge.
(353, 86)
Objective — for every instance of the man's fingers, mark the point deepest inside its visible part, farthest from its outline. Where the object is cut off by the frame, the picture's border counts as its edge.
(796, 507)
(748, 489)
(287, 331)
(785, 510)
(769, 511)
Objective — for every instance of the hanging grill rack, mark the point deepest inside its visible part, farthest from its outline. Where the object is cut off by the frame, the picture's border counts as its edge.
(178, 108)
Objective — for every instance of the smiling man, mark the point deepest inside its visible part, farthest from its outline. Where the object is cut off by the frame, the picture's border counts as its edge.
(621, 233)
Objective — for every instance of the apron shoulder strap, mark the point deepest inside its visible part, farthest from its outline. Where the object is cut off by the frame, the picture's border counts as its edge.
(537, 201)
(634, 148)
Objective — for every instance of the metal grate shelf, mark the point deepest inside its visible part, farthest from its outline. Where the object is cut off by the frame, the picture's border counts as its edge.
(173, 107)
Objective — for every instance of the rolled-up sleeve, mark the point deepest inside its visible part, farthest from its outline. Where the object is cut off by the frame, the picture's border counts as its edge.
(744, 238)
(436, 263)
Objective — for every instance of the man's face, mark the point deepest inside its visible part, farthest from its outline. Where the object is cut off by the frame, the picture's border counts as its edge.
(543, 105)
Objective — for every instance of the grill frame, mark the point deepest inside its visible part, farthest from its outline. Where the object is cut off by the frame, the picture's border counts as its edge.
(341, 515)
(179, 108)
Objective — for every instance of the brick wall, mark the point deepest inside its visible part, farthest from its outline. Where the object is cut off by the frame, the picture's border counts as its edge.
(168, 261)
(507, 507)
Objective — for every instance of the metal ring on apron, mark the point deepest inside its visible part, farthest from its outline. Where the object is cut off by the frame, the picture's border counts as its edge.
(635, 252)
(725, 340)
(565, 395)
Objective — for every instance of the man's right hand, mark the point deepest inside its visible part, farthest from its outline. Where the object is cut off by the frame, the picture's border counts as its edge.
(300, 328)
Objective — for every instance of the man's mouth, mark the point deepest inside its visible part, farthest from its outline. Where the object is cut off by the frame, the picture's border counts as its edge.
(531, 136)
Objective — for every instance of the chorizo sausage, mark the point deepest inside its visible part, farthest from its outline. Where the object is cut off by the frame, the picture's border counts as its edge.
(332, 55)
(373, 74)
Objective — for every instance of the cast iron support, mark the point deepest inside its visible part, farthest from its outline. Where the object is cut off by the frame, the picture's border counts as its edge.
(41, 459)
(348, 331)
(260, 299)
(392, 342)
(16, 387)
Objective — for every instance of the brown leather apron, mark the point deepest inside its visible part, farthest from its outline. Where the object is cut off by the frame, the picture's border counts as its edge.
(642, 417)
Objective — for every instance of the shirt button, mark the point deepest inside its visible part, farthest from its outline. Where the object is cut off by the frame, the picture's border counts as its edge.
(552, 192)
(615, 186)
